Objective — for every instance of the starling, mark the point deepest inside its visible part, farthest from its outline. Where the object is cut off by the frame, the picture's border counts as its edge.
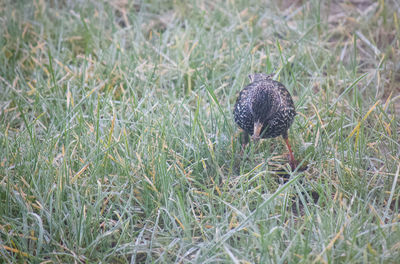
(265, 109)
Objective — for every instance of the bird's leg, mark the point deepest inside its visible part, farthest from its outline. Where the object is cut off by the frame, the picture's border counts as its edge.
(257, 130)
(292, 161)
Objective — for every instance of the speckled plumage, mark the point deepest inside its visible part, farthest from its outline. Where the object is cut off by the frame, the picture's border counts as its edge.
(265, 109)
(268, 102)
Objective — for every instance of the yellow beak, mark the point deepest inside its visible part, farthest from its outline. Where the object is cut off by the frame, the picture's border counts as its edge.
(257, 130)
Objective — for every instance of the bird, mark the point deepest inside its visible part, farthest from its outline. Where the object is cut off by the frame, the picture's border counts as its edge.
(265, 109)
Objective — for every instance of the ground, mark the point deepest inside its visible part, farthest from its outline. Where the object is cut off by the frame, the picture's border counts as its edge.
(118, 142)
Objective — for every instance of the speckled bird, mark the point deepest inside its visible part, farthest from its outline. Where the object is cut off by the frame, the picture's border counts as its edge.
(265, 109)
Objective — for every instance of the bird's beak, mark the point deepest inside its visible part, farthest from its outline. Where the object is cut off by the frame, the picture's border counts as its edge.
(257, 130)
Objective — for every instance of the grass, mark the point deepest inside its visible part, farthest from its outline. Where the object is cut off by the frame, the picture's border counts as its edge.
(118, 143)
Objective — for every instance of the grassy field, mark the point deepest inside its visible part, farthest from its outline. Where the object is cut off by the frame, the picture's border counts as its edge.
(118, 142)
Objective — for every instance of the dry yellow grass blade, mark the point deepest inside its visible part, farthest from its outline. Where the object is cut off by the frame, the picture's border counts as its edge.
(216, 187)
(79, 173)
(200, 192)
(111, 130)
(233, 223)
(33, 89)
(319, 117)
(70, 99)
(15, 250)
(179, 222)
(330, 245)
(357, 127)
(151, 183)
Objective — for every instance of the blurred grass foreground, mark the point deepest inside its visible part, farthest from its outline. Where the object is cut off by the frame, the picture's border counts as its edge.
(117, 141)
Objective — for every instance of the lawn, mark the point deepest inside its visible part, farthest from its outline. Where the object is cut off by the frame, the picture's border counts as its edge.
(118, 144)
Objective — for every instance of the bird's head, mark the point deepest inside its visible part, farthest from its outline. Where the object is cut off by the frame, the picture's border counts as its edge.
(263, 108)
